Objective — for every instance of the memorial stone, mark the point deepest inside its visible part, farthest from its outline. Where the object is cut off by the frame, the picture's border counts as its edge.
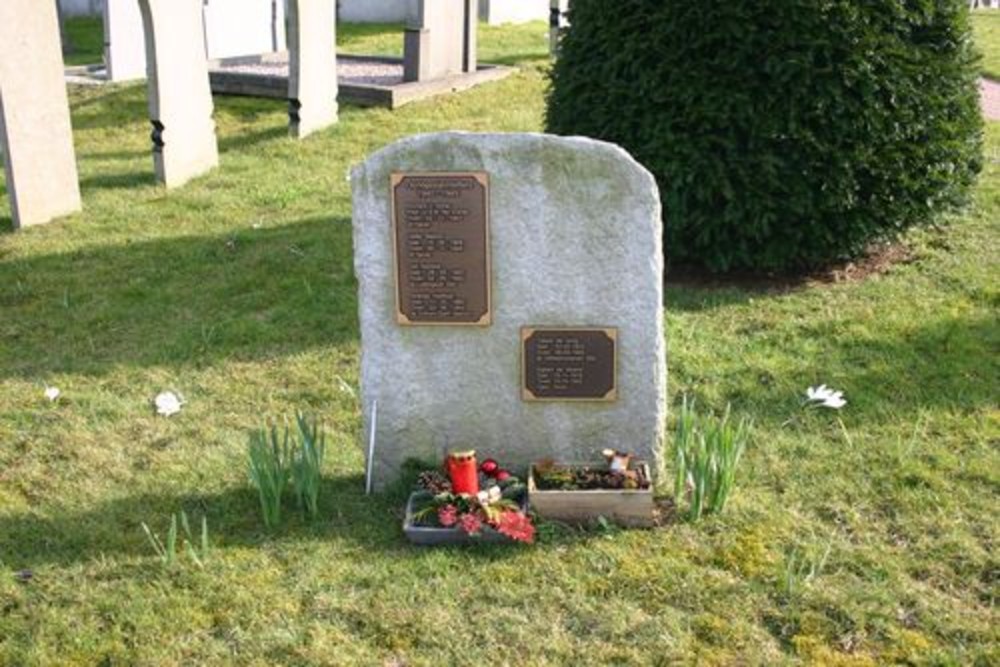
(440, 39)
(124, 45)
(236, 28)
(180, 100)
(312, 61)
(36, 137)
(510, 298)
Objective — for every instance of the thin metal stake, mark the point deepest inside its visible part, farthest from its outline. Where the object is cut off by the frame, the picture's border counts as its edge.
(371, 449)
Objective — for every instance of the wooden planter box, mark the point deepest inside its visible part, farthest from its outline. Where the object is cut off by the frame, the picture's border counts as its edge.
(434, 535)
(628, 507)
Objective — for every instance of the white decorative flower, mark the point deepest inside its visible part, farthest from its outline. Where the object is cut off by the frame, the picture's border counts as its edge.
(52, 393)
(483, 497)
(167, 403)
(826, 397)
(495, 494)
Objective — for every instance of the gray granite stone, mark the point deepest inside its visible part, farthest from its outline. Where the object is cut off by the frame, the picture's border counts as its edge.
(576, 241)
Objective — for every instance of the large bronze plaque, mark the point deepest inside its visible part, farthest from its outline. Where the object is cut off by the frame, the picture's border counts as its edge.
(569, 364)
(442, 240)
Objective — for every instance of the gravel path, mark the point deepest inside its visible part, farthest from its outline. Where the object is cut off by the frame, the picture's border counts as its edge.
(348, 71)
(990, 96)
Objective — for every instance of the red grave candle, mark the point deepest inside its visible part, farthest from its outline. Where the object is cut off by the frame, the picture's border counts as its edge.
(463, 472)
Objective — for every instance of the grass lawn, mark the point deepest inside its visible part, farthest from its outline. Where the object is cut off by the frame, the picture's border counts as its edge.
(986, 24)
(86, 38)
(237, 291)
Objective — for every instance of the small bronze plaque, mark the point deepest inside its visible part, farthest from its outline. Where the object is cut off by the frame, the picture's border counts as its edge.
(569, 364)
(440, 226)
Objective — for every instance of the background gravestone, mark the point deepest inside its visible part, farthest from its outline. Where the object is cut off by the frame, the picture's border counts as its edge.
(232, 28)
(575, 239)
(244, 27)
(440, 39)
(497, 12)
(312, 66)
(180, 100)
(124, 45)
(36, 137)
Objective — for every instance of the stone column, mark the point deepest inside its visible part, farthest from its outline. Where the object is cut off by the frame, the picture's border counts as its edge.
(36, 137)
(312, 71)
(180, 100)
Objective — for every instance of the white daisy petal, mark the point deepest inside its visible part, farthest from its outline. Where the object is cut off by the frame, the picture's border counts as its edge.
(167, 403)
(834, 402)
(826, 397)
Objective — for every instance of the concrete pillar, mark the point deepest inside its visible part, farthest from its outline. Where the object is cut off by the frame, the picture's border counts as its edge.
(36, 137)
(312, 73)
(180, 99)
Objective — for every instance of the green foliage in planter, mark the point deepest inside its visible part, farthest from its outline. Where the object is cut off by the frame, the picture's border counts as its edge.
(784, 134)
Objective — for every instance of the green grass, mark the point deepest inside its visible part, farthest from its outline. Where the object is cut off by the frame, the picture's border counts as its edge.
(497, 44)
(237, 291)
(986, 25)
(86, 37)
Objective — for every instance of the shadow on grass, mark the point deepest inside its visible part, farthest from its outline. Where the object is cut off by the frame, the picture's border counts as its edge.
(526, 59)
(945, 362)
(114, 106)
(245, 140)
(181, 301)
(697, 299)
(114, 528)
(123, 181)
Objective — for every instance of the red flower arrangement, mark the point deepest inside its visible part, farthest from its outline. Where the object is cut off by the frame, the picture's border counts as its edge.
(517, 526)
(496, 506)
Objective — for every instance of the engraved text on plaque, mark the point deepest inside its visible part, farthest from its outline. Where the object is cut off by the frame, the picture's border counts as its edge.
(441, 235)
(569, 364)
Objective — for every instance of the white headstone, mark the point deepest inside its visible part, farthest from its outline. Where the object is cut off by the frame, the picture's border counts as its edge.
(124, 45)
(441, 39)
(575, 241)
(36, 137)
(180, 99)
(244, 27)
(497, 12)
(312, 66)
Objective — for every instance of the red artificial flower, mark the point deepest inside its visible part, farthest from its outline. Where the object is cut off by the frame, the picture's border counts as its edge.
(516, 526)
(448, 516)
(501, 475)
(470, 523)
(489, 467)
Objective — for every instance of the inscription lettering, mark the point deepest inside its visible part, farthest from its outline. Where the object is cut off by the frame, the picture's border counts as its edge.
(569, 364)
(441, 230)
